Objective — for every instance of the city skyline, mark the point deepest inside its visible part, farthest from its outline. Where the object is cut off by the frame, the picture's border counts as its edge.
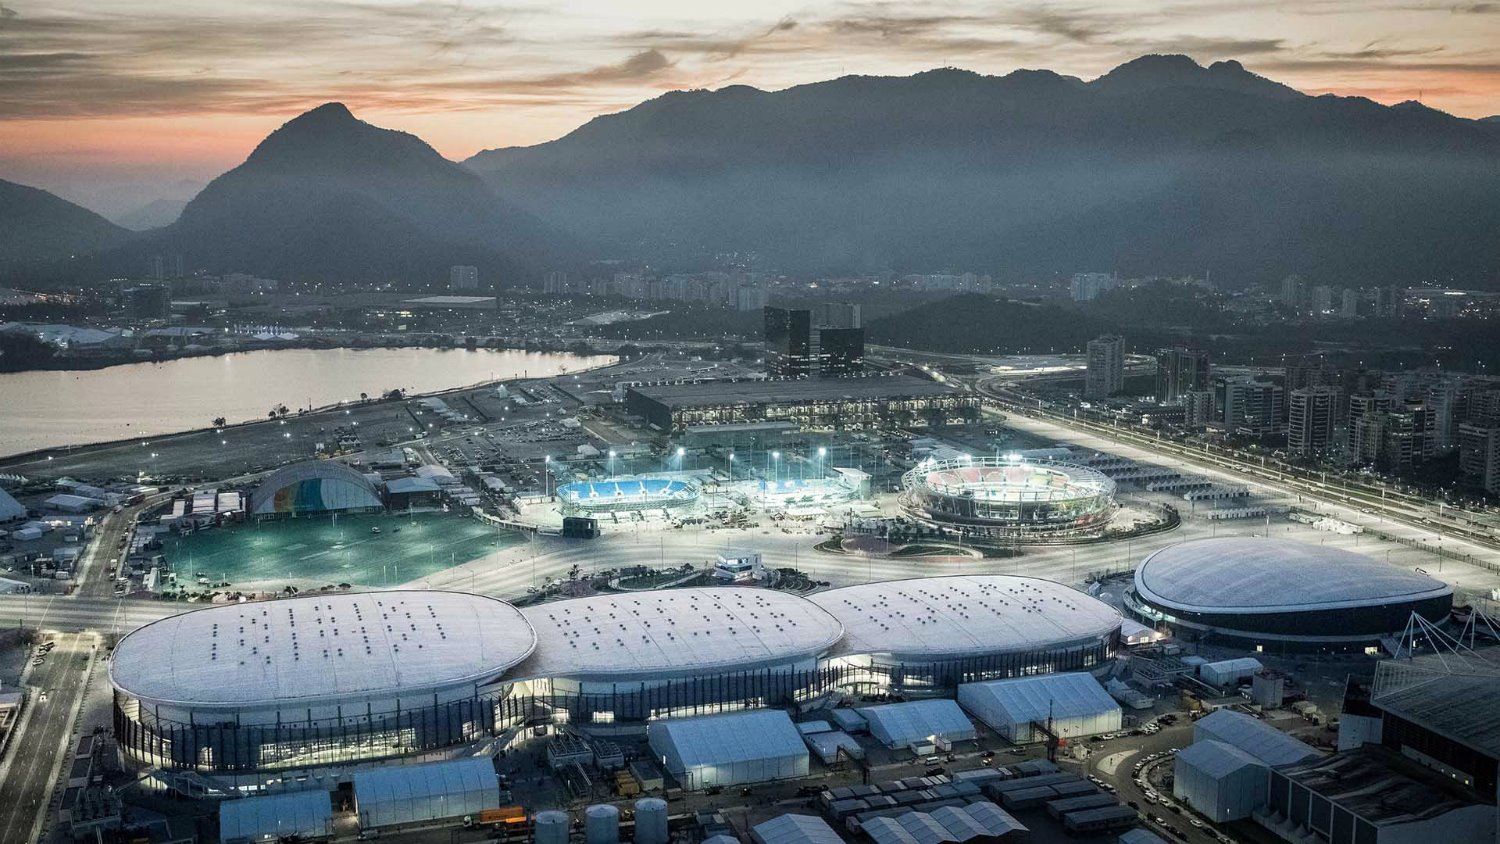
(147, 100)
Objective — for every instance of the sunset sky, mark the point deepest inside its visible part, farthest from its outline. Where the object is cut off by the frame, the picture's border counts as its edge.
(116, 102)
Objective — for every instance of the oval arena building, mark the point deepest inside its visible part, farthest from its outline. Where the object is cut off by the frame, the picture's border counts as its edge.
(308, 686)
(1280, 595)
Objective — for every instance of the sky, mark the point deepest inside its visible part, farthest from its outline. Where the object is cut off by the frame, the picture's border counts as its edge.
(114, 103)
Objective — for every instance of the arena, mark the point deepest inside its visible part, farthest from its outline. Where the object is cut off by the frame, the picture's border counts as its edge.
(1009, 495)
(1279, 595)
(309, 686)
(619, 495)
(312, 681)
(317, 486)
(941, 631)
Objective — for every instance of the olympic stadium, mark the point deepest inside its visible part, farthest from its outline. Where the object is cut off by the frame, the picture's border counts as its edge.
(1281, 595)
(620, 495)
(316, 486)
(1004, 495)
(311, 685)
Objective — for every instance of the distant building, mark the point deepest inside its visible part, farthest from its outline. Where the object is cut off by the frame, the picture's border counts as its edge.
(839, 315)
(1349, 303)
(1322, 300)
(1086, 287)
(555, 283)
(1106, 367)
(1197, 408)
(1479, 454)
(1294, 293)
(788, 339)
(1312, 414)
(1180, 371)
(750, 298)
(463, 278)
(1248, 406)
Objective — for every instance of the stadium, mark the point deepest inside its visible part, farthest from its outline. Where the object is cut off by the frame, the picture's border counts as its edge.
(619, 495)
(1281, 595)
(316, 486)
(308, 686)
(1008, 495)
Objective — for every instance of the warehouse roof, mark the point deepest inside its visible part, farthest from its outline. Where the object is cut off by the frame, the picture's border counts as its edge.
(720, 740)
(10, 508)
(276, 817)
(1253, 736)
(981, 819)
(918, 720)
(321, 647)
(1025, 699)
(1248, 575)
(964, 615)
(795, 829)
(791, 390)
(1215, 758)
(1380, 786)
(1463, 707)
(679, 631)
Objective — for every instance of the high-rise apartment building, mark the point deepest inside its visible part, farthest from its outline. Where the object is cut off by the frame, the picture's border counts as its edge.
(1105, 375)
(1179, 371)
(1479, 453)
(1086, 287)
(1312, 416)
(1247, 406)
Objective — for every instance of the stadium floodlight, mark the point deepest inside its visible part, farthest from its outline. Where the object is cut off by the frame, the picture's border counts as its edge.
(822, 452)
(1013, 457)
(681, 451)
(611, 452)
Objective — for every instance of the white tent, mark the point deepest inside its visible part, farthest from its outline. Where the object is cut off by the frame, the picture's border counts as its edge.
(10, 508)
(1075, 704)
(406, 794)
(305, 814)
(744, 747)
(1220, 781)
(902, 724)
(1253, 736)
(794, 829)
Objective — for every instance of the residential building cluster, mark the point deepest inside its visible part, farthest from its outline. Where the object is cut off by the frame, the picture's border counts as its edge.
(738, 291)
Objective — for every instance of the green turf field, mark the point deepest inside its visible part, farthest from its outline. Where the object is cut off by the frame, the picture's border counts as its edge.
(341, 550)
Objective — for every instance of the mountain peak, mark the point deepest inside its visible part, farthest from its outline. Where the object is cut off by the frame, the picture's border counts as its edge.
(331, 136)
(1157, 71)
(331, 112)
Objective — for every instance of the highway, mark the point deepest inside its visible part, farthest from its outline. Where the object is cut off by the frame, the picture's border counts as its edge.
(44, 741)
(1443, 522)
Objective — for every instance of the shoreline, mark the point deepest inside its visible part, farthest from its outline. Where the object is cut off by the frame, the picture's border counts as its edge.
(95, 364)
(38, 453)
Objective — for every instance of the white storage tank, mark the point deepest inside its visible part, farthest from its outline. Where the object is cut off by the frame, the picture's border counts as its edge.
(551, 827)
(650, 821)
(601, 824)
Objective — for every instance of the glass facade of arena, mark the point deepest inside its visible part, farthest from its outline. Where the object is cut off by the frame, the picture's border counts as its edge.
(369, 735)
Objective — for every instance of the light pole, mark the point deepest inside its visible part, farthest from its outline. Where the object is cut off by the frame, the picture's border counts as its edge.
(776, 463)
(729, 466)
(547, 477)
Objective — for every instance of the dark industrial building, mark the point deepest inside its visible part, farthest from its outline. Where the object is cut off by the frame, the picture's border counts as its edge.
(800, 345)
(843, 404)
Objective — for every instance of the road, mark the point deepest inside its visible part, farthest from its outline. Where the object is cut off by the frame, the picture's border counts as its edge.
(1445, 523)
(1114, 762)
(34, 761)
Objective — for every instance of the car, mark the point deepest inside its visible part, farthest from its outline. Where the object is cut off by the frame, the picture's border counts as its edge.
(43, 697)
(1132, 804)
(1195, 822)
(38, 661)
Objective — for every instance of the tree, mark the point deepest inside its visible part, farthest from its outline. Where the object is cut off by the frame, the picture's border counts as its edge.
(219, 421)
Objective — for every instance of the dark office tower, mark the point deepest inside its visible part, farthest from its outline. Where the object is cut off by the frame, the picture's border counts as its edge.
(839, 315)
(147, 301)
(789, 342)
(1180, 371)
(841, 352)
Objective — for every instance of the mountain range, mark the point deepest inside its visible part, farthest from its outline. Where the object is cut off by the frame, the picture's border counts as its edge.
(1161, 166)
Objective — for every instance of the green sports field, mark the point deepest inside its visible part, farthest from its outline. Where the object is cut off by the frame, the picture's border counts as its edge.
(335, 550)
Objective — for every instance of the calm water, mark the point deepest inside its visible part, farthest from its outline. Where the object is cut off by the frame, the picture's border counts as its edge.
(47, 409)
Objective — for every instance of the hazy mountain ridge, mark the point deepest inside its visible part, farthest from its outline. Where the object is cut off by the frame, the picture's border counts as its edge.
(39, 226)
(953, 169)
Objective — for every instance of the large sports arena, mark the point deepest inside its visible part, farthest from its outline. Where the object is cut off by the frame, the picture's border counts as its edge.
(308, 686)
(1281, 595)
(1002, 494)
(625, 494)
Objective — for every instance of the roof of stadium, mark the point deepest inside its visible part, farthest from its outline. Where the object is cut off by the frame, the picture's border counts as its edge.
(962, 615)
(364, 495)
(321, 647)
(624, 488)
(685, 631)
(791, 390)
(1248, 575)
